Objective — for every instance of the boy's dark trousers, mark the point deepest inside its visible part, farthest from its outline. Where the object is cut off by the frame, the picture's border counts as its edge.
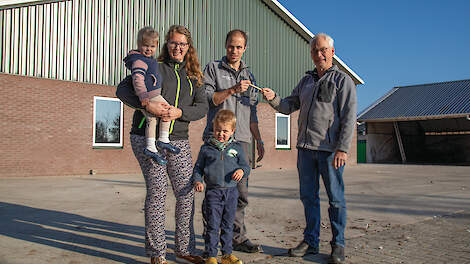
(220, 205)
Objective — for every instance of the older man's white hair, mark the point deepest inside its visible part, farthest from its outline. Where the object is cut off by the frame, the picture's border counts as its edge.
(322, 35)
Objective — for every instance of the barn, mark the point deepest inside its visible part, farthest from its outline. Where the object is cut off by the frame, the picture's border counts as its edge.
(420, 124)
(60, 62)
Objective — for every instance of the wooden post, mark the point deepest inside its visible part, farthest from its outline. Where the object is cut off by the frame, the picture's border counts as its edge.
(400, 143)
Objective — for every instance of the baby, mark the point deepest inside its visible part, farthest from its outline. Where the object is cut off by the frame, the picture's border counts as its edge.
(146, 82)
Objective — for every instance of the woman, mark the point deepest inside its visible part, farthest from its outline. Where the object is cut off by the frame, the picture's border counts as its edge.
(181, 87)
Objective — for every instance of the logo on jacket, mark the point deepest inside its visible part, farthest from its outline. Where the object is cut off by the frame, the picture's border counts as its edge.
(232, 153)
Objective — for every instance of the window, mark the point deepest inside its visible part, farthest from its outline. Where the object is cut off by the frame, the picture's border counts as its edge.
(282, 131)
(107, 122)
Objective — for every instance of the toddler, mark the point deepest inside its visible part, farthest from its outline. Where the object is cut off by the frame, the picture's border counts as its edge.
(221, 163)
(146, 82)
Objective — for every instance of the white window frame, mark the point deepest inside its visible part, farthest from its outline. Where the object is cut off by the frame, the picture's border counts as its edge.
(283, 146)
(121, 123)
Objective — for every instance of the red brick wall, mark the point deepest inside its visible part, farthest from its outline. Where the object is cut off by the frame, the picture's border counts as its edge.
(46, 129)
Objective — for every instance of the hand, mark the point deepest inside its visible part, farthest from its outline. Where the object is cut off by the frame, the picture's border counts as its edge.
(268, 94)
(172, 114)
(260, 148)
(157, 108)
(241, 86)
(145, 102)
(238, 175)
(340, 159)
(198, 186)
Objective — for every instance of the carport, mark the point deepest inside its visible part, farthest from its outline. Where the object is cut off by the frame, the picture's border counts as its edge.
(424, 124)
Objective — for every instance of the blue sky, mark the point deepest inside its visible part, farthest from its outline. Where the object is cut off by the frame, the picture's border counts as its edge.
(393, 43)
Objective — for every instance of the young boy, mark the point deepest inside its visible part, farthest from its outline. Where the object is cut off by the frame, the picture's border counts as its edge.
(221, 162)
(146, 83)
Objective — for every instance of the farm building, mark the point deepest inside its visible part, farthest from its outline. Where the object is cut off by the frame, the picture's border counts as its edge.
(60, 62)
(425, 124)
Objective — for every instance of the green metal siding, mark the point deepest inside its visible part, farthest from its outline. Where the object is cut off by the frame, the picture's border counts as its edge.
(72, 40)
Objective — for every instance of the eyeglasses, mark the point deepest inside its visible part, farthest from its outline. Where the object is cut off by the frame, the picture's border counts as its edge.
(173, 44)
(322, 50)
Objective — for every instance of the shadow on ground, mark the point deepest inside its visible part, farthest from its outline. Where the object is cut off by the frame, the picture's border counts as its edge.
(72, 232)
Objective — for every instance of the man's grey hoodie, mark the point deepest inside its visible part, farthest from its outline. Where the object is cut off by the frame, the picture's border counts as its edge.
(219, 76)
(327, 106)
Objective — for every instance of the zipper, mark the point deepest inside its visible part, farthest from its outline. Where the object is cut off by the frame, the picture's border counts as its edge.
(178, 88)
(308, 114)
(190, 85)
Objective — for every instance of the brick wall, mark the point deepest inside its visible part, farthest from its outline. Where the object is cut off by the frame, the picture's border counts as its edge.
(46, 129)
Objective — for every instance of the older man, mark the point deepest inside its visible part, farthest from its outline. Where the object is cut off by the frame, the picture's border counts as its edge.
(227, 84)
(327, 101)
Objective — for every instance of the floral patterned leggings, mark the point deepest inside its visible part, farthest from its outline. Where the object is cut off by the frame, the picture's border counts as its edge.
(179, 169)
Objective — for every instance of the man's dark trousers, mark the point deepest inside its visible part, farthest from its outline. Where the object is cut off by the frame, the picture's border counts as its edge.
(239, 229)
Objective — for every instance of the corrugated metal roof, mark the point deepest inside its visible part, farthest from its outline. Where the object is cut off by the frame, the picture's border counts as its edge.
(424, 101)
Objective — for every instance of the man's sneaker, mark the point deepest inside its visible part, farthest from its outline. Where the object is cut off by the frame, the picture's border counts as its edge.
(247, 246)
(302, 249)
(155, 156)
(158, 260)
(189, 259)
(211, 260)
(337, 255)
(230, 259)
(168, 146)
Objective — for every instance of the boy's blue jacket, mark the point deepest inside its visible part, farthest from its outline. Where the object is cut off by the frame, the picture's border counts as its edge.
(217, 166)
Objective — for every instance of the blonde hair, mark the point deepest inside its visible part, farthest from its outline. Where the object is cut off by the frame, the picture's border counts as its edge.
(193, 68)
(225, 116)
(148, 33)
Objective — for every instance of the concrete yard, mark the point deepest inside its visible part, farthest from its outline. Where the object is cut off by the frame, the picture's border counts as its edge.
(396, 214)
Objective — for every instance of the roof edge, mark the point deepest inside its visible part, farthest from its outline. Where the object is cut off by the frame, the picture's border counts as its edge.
(434, 83)
(378, 101)
(7, 4)
(290, 19)
(414, 118)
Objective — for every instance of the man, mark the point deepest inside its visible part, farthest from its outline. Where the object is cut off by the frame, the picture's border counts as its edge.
(327, 101)
(227, 84)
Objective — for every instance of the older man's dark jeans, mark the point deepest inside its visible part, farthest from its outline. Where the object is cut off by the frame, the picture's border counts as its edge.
(311, 165)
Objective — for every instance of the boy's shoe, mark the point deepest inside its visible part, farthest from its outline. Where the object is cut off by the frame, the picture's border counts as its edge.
(158, 260)
(156, 156)
(337, 255)
(167, 146)
(303, 249)
(246, 246)
(211, 260)
(230, 259)
(189, 259)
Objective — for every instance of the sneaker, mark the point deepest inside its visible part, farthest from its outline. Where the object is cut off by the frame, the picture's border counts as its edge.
(155, 156)
(158, 260)
(303, 249)
(189, 259)
(230, 259)
(211, 260)
(337, 255)
(168, 146)
(247, 246)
